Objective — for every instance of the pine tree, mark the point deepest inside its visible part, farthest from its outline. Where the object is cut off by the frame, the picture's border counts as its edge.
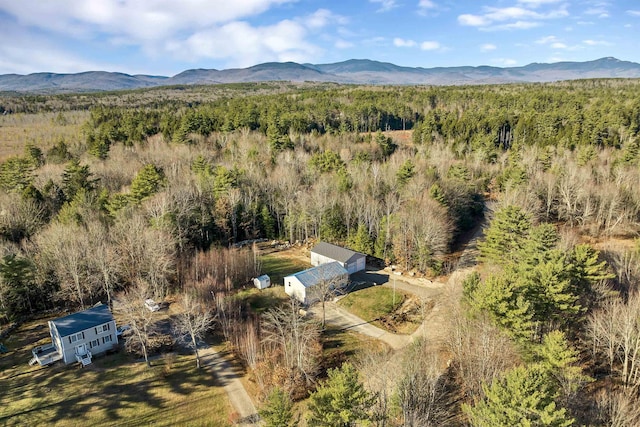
(341, 401)
(277, 411)
(362, 241)
(524, 396)
(268, 223)
(505, 235)
(405, 172)
(147, 182)
(76, 177)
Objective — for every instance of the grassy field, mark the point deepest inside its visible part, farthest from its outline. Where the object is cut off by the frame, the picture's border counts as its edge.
(43, 130)
(262, 299)
(277, 265)
(114, 390)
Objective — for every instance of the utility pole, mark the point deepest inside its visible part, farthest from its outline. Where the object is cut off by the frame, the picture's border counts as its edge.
(394, 290)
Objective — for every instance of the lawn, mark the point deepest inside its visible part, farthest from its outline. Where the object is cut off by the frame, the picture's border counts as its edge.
(277, 265)
(372, 303)
(380, 306)
(114, 390)
(261, 300)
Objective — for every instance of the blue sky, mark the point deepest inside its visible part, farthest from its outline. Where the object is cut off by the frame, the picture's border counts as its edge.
(164, 37)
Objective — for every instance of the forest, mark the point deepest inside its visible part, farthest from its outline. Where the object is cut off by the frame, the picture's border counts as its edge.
(151, 189)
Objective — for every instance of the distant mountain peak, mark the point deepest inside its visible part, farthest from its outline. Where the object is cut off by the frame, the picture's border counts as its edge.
(356, 71)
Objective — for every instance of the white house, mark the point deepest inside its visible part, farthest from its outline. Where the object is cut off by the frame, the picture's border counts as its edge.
(352, 261)
(79, 336)
(262, 282)
(303, 285)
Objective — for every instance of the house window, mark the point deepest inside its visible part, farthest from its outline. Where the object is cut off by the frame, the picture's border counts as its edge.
(94, 343)
(106, 339)
(102, 329)
(76, 337)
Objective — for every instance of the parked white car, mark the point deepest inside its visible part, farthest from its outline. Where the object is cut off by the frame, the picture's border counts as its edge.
(122, 329)
(151, 304)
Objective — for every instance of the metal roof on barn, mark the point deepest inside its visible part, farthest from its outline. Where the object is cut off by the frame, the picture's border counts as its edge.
(338, 253)
(83, 320)
(313, 276)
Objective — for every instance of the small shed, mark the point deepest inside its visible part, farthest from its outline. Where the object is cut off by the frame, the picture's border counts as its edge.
(303, 285)
(262, 282)
(352, 261)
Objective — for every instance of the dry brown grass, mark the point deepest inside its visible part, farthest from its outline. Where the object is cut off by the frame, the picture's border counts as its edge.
(43, 130)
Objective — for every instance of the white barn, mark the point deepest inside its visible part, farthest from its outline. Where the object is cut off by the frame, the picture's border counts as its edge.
(262, 282)
(302, 285)
(352, 261)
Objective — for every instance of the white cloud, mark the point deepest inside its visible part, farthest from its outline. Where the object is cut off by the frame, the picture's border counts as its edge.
(633, 12)
(30, 54)
(426, 6)
(430, 45)
(242, 45)
(487, 47)
(385, 5)
(518, 25)
(537, 3)
(135, 20)
(398, 42)
(558, 45)
(513, 17)
(547, 40)
(323, 17)
(343, 44)
(188, 30)
(473, 20)
(505, 62)
(600, 11)
(596, 43)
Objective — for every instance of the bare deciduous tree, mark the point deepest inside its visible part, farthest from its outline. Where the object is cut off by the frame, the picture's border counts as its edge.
(422, 389)
(619, 408)
(615, 330)
(295, 337)
(140, 319)
(194, 321)
(66, 250)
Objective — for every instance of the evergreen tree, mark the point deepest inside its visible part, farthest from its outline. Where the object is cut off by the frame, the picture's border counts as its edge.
(503, 298)
(34, 155)
(405, 172)
(362, 241)
(16, 286)
(505, 235)
(76, 177)
(341, 401)
(277, 410)
(147, 182)
(16, 174)
(268, 223)
(524, 396)
(386, 144)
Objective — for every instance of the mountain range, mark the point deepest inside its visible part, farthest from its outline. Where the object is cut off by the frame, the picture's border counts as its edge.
(357, 71)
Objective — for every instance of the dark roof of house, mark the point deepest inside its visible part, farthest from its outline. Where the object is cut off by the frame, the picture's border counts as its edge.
(312, 276)
(343, 255)
(83, 320)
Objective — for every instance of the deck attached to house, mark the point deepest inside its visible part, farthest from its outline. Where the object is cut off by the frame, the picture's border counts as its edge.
(45, 355)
